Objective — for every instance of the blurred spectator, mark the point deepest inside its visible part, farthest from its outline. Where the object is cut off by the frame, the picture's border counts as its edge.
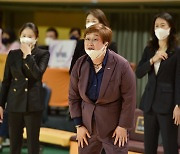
(9, 41)
(75, 33)
(51, 34)
(1, 46)
(92, 17)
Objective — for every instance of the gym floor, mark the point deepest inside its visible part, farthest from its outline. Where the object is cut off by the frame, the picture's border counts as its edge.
(45, 149)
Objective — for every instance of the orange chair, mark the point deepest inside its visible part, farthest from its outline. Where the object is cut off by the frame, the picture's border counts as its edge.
(2, 64)
(58, 81)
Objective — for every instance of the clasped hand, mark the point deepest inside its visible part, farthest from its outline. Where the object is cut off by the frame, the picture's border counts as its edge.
(159, 55)
(26, 49)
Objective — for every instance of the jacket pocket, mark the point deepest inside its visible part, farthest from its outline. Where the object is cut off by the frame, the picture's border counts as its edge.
(167, 90)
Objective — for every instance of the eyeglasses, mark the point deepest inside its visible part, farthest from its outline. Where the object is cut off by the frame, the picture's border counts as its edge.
(88, 40)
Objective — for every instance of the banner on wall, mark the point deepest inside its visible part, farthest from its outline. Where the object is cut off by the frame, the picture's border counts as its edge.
(61, 52)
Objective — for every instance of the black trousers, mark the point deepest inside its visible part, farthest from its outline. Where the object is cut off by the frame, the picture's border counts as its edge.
(32, 122)
(163, 123)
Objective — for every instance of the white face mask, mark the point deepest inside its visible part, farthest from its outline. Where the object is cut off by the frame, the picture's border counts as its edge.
(94, 54)
(28, 40)
(48, 40)
(161, 33)
(90, 24)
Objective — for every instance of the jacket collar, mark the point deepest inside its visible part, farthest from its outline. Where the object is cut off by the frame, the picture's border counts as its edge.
(109, 68)
(170, 52)
(108, 71)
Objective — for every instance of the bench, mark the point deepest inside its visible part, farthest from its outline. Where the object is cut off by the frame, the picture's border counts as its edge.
(53, 136)
(136, 137)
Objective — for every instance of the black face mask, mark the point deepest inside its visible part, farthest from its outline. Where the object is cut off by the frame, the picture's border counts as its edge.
(73, 37)
(5, 41)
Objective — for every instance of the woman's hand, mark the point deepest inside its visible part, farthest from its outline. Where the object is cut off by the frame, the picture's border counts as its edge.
(1, 114)
(159, 55)
(26, 49)
(120, 135)
(81, 136)
(176, 115)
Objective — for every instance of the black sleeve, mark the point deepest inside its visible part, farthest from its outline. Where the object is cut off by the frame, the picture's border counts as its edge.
(6, 82)
(144, 65)
(177, 79)
(78, 52)
(113, 47)
(34, 69)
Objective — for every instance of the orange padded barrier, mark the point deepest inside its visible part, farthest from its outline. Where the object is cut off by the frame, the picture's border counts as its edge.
(53, 136)
(58, 81)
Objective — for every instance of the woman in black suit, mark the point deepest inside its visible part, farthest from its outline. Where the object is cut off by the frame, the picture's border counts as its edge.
(93, 17)
(161, 99)
(21, 90)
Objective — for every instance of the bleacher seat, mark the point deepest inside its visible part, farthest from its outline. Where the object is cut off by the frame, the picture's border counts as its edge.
(53, 136)
(136, 142)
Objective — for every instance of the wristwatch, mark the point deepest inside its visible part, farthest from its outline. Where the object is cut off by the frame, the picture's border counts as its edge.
(77, 126)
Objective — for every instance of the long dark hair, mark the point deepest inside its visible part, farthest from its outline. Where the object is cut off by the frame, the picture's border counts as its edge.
(99, 14)
(172, 39)
(32, 26)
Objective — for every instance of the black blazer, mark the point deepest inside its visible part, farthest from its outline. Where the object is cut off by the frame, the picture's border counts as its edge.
(79, 51)
(162, 91)
(21, 85)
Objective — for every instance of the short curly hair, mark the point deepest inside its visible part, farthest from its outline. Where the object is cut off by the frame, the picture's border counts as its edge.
(104, 32)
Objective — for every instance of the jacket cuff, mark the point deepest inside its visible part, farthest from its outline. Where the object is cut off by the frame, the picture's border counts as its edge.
(77, 121)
